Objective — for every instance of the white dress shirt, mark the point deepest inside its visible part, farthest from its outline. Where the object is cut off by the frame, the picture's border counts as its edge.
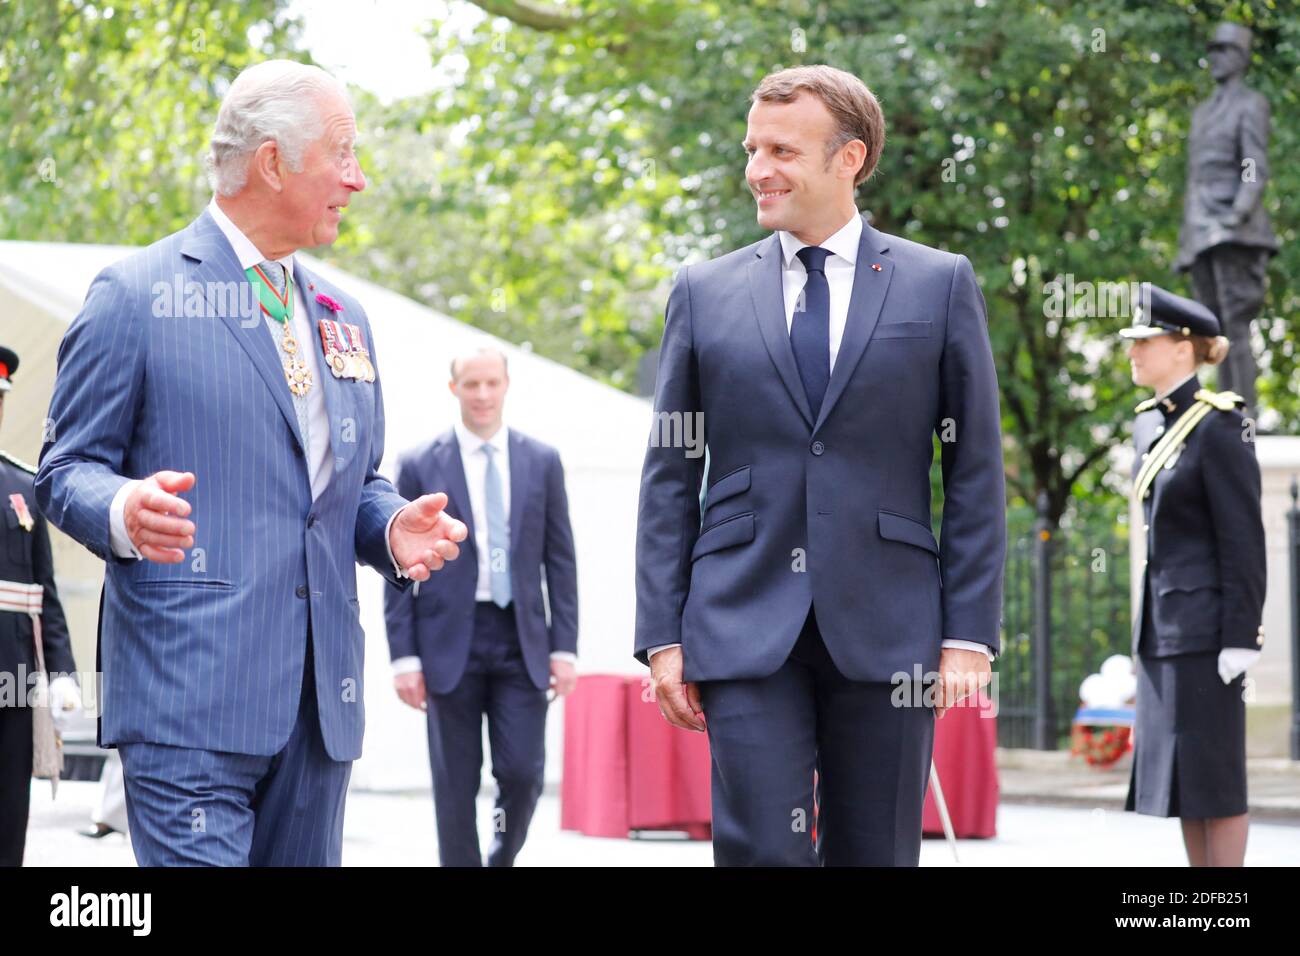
(474, 460)
(1232, 660)
(840, 267)
(320, 463)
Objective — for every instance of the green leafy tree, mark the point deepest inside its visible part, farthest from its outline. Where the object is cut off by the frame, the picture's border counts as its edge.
(1043, 138)
(105, 110)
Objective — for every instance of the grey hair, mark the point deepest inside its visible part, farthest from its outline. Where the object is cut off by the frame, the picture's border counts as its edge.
(275, 100)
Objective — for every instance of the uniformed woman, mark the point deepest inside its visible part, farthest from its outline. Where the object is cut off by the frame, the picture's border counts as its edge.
(25, 566)
(1197, 626)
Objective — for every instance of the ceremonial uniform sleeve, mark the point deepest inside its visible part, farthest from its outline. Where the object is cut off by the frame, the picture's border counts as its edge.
(54, 626)
(1253, 144)
(1232, 486)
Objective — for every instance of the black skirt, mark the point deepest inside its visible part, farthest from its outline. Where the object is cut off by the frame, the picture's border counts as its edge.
(1189, 741)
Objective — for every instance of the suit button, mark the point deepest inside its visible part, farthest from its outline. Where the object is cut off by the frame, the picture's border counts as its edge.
(818, 448)
(301, 590)
(311, 519)
(1260, 640)
(1146, 527)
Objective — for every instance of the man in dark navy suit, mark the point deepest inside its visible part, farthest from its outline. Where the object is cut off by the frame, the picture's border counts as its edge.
(477, 639)
(794, 606)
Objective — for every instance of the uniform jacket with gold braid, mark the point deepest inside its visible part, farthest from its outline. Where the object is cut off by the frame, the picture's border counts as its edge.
(1203, 582)
(25, 559)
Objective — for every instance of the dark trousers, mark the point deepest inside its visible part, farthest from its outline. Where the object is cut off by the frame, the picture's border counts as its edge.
(15, 779)
(497, 684)
(191, 807)
(767, 736)
(1229, 279)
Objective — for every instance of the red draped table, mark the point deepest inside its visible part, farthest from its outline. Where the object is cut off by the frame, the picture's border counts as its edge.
(626, 769)
(964, 742)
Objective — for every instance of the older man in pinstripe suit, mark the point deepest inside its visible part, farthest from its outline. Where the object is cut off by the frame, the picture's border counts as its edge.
(230, 643)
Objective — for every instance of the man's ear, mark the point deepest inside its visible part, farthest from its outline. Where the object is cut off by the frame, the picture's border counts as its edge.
(268, 164)
(852, 155)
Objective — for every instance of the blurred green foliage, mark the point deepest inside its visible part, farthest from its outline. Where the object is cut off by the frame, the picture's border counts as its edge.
(548, 190)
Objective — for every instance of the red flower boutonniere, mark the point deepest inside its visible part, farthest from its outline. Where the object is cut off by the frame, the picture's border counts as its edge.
(329, 303)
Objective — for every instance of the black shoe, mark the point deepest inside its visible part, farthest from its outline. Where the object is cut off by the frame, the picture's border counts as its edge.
(98, 831)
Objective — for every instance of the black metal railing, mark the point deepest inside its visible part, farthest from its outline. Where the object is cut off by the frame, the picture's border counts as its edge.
(1066, 608)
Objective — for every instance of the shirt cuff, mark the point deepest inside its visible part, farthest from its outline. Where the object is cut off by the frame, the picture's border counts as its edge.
(655, 650)
(569, 656)
(388, 546)
(969, 646)
(407, 665)
(118, 539)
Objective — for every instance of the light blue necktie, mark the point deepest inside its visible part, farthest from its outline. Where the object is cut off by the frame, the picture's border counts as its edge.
(498, 532)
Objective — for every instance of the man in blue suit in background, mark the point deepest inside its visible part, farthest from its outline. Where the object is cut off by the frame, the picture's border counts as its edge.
(791, 609)
(211, 364)
(477, 639)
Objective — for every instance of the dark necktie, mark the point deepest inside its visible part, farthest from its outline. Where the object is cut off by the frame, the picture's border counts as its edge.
(810, 329)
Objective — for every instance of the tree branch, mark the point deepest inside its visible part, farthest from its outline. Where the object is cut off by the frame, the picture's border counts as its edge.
(534, 13)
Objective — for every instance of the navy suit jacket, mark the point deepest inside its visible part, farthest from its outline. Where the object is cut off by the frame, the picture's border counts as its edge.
(832, 512)
(208, 653)
(436, 621)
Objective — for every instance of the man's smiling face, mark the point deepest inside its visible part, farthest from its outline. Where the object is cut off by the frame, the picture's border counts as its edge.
(793, 181)
(313, 199)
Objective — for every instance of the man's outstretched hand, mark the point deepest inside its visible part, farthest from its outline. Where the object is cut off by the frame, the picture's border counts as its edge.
(423, 536)
(156, 520)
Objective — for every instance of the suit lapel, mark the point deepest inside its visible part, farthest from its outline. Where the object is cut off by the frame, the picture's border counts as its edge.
(215, 267)
(446, 455)
(520, 476)
(769, 309)
(869, 288)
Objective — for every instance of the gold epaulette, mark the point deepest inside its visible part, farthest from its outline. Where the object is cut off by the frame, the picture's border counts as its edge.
(1223, 401)
(18, 462)
(1146, 406)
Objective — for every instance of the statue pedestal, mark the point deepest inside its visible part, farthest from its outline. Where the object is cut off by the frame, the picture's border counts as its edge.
(1269, 714)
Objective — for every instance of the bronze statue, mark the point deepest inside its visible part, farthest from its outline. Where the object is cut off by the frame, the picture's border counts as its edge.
(1226, 238)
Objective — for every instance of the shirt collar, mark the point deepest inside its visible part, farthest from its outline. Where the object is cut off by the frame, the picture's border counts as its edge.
(247, 253)
(469, 442)
(843, 243)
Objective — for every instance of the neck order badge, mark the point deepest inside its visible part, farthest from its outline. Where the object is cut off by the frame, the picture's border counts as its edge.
(279, 306)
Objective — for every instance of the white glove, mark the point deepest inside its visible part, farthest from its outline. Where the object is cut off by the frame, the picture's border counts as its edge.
(1234, 661)
(65, 701)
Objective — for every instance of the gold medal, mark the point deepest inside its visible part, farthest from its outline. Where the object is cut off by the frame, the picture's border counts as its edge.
(296, 372)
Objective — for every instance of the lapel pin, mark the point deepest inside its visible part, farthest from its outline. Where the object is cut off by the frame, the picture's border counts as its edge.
(876, 266)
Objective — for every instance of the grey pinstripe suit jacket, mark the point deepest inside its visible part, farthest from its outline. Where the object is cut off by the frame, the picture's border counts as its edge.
(209, 653)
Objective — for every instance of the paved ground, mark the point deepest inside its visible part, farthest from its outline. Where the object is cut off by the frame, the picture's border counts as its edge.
(1056, 778)
(387, 829)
